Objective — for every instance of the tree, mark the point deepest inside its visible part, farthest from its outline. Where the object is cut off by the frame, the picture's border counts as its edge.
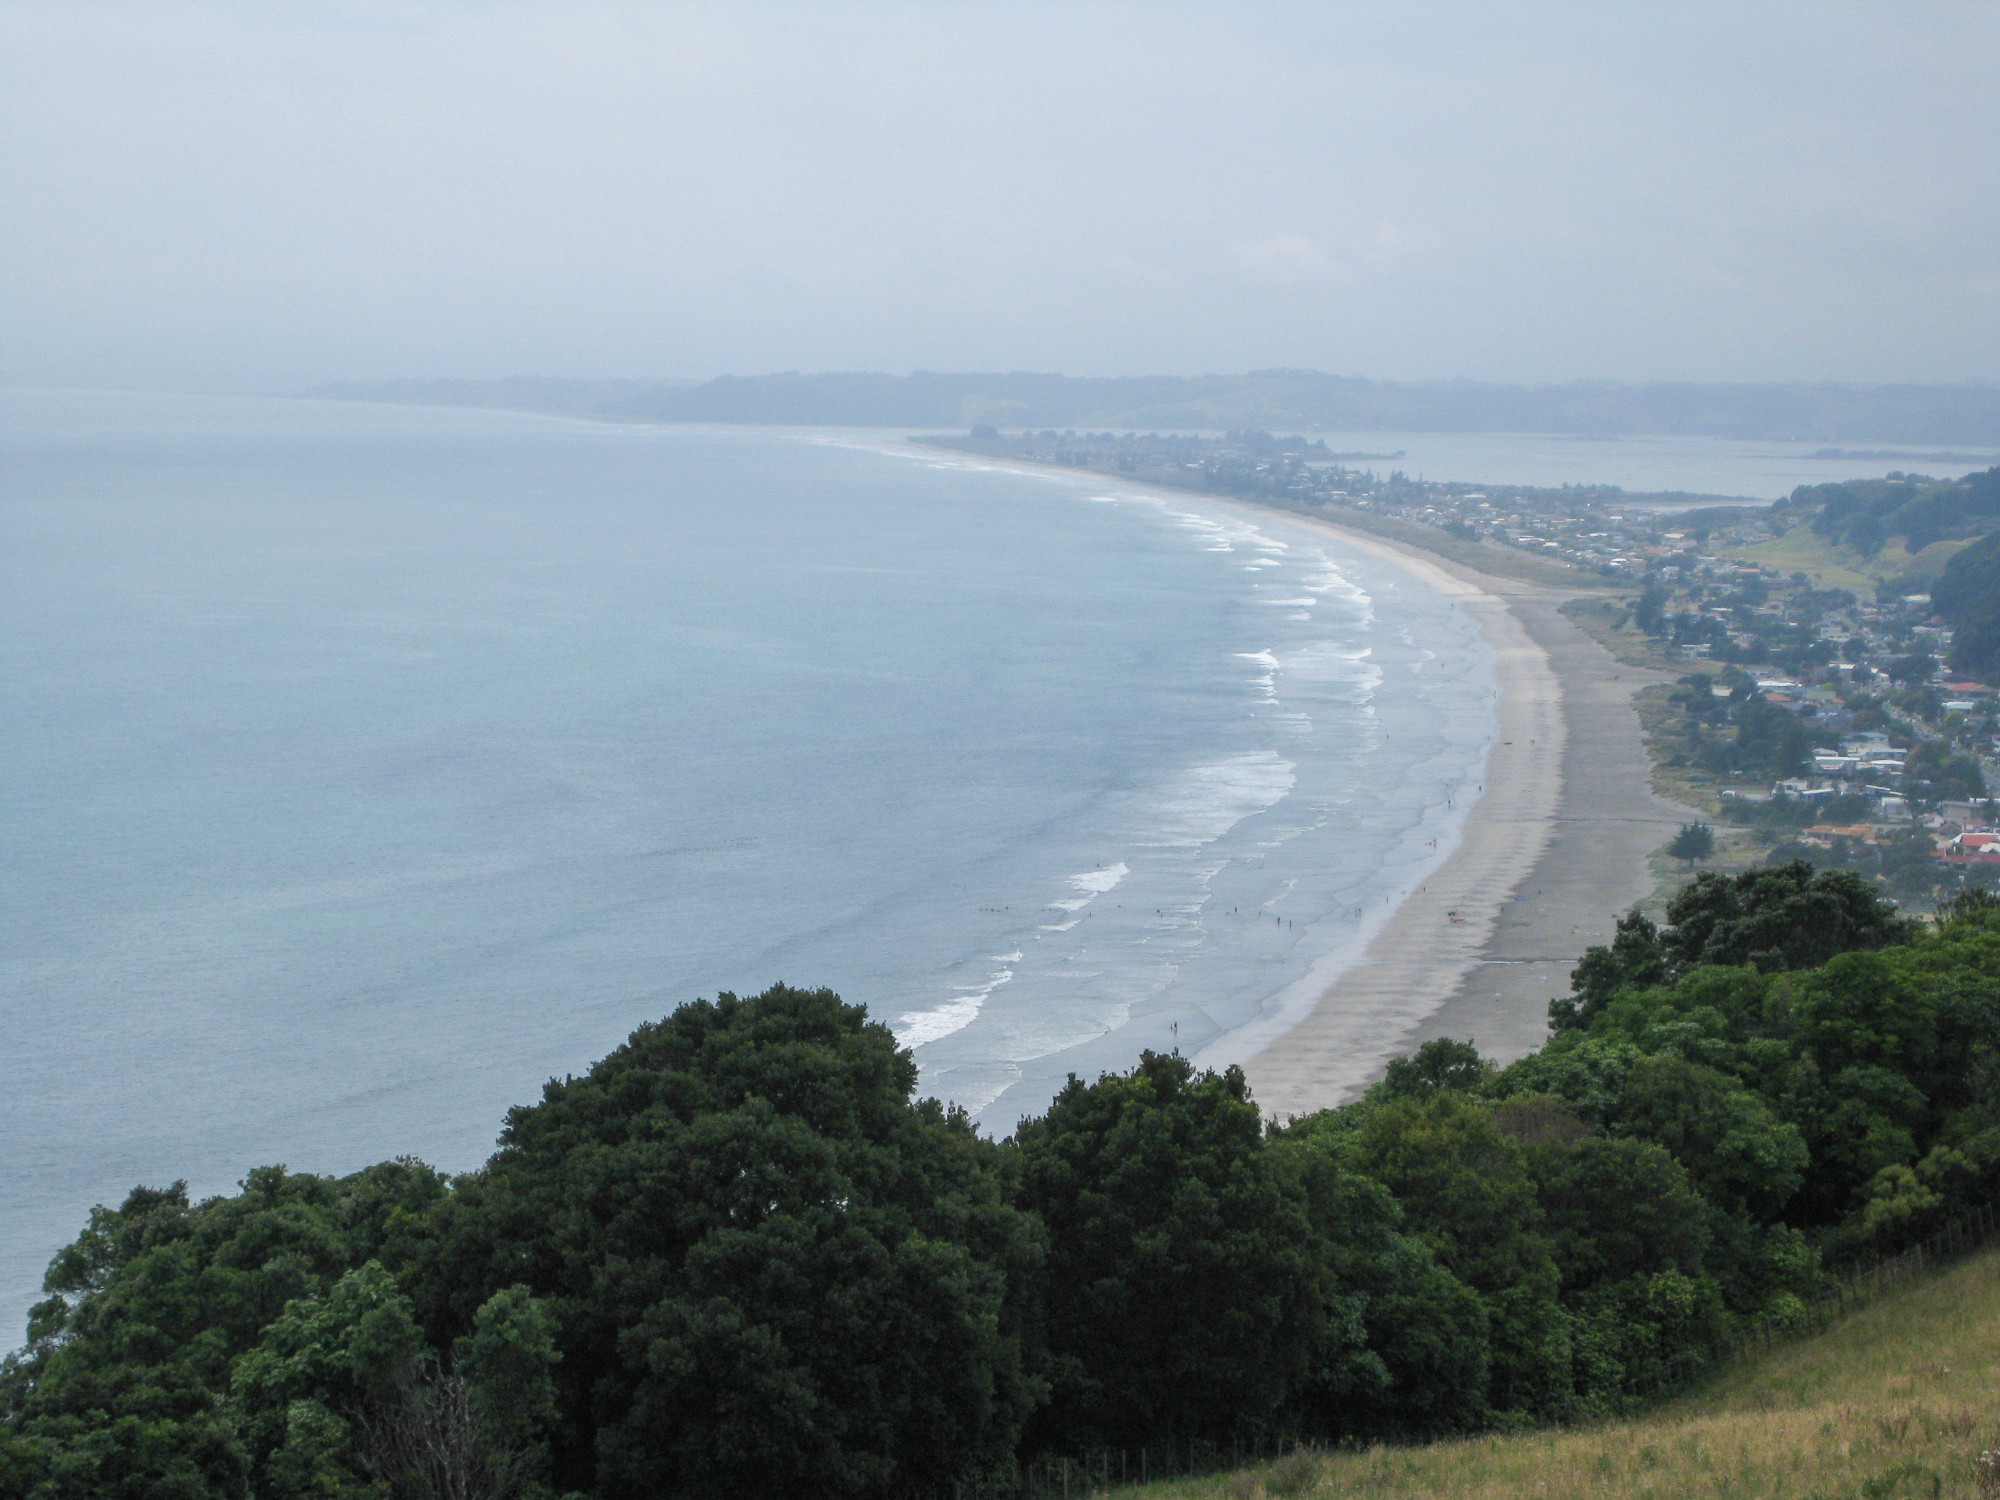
(1789, 917)
(1968, 595)
(126, 1386)
(1695, 841)
(770, 1271)
(1648, 610)
(1438, 1064)
(1405, 1348)
(1182, 1297)
(1917, 667)
(1466, 1192)
(1786, 916)
(1634, 959)
(1738, 1154)
(1934, 773)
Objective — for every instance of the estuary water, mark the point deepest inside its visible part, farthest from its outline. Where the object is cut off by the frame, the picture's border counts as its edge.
(368, 766)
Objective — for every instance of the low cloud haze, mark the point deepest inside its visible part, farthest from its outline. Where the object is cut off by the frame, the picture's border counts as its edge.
(267, 195)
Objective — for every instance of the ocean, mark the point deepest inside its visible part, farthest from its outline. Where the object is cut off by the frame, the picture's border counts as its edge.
(368, 766)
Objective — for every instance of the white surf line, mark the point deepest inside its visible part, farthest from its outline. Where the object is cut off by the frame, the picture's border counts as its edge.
(1432, 939)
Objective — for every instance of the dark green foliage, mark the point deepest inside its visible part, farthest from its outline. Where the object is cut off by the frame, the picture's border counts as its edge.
(1902, 865)
(1440, 1064)
(770, 1271)
(1787, 917)
(1970, 583)
(735, 1258)
(1422, 1365)
(1791, 917)
(1695, 841)
(1797, 812)
(1183, 1292)
(1968, 595)
(1466, 1192)
(1865, 513)
(1636, 958)
(126, 1386)
(1737, 1153)
(1933, 772)
(1918, 666)
(1738, 734)
(1767, 742)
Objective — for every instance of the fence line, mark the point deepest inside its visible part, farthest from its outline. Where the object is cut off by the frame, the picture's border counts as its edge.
(1079, 1476)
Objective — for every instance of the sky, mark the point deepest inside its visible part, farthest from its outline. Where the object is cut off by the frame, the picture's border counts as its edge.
(265, 196)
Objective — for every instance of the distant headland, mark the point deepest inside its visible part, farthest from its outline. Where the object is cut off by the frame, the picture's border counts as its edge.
(1931, 415)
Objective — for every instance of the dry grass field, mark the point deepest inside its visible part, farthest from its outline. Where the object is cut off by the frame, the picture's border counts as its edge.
(1898, 1400)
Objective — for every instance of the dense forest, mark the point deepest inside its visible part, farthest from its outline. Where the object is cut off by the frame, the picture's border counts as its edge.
(1932, 414)
(738, 1257)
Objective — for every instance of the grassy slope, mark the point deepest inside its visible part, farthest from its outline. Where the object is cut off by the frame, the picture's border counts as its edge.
(1799, 551)
(1899, 1394)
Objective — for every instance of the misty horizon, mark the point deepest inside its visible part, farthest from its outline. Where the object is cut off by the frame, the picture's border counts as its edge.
(247, 198)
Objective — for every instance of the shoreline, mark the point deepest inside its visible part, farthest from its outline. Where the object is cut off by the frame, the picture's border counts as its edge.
(1551, 855)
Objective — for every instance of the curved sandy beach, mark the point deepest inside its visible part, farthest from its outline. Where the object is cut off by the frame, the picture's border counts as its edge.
(1554, 851)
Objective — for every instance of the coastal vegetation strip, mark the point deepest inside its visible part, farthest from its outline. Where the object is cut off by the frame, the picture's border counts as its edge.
(738, 1257)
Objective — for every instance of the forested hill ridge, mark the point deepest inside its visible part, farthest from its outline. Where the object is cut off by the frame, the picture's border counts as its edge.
(1927, 414)
(737, 1257)
(1915, 509)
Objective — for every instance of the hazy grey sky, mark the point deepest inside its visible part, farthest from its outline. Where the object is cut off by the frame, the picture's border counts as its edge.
(267, 194)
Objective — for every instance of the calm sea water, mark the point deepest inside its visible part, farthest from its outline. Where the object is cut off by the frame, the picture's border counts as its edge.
(368, 766)
(1755, 470)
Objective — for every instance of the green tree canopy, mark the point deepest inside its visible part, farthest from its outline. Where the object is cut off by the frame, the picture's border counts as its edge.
(771, 1272)
(1783, 917)
(1695, 841)
(1182, 1291)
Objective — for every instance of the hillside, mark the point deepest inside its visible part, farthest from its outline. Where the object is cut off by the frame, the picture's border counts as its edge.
(1835, 565)
(1897, 1396)
(739, 1256)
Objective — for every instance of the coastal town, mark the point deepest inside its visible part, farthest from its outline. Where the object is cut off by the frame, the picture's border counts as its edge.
(1812, 709)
